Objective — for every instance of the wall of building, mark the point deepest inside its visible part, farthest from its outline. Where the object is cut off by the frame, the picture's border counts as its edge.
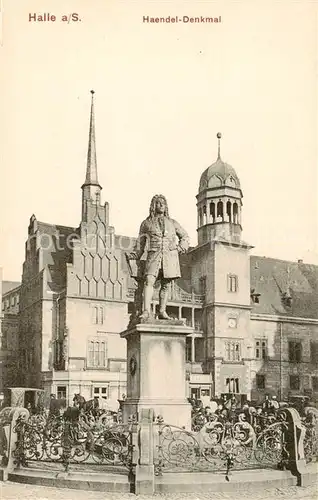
(82, 326)
(277, 367)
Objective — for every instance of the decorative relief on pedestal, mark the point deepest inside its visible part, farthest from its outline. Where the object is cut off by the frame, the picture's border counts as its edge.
(132, 365)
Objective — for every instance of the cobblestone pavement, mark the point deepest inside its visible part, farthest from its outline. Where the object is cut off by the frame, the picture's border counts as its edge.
(14, 491)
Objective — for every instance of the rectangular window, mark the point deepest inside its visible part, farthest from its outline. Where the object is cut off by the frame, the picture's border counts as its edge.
(95, 315)
(97, 353)
(314, 384)
(188, 349)
(61, 392)
(294, 382)
(294, 351)
(261, 349)
(314, 353)
(100, 392)
(195, 392)
(98, 315)
(232, 351)
(232, 385)
(232, 283)
(260, 381)
(101, 315)
(199, 349)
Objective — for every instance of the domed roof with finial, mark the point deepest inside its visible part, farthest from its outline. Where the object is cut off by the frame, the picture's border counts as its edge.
(219, 174)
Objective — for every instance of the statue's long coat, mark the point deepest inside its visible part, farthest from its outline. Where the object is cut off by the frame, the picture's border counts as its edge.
(158, 247)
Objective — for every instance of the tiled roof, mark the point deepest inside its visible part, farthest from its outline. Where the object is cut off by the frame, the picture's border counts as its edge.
(275, 279)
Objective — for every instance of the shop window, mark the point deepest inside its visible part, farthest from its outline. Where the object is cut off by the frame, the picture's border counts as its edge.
(61, 392)
(100, 392)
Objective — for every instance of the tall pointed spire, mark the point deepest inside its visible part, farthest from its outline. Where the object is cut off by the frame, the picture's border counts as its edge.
(91, 189)
(219, 135)
(91, 169)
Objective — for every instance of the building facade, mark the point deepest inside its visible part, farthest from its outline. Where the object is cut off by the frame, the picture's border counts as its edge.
(254, 319)
(9, 334)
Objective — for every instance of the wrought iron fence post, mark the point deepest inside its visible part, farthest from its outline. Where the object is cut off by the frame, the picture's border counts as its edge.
(294, 435)
(157, 446)
(145, 473)
(134, 455)
(15, 420)
(66, 445)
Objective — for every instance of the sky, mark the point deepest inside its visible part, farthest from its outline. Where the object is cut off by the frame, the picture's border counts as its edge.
(163, 91)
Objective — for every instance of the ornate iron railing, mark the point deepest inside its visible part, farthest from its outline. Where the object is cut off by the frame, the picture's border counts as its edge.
(64, 441)
(258, 422)
(310, 422)
(219, 446)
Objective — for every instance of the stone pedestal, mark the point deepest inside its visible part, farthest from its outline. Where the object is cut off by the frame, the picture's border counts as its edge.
(156, 371)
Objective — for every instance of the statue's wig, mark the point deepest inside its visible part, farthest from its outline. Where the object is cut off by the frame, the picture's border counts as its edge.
(152, 209)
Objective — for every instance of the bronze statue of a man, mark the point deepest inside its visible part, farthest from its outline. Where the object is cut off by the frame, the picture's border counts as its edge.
(160, 241)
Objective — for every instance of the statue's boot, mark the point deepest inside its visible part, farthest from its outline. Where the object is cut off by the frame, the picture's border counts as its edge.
(163, 315)
(163, 300)
(148, 293)
(145, 315)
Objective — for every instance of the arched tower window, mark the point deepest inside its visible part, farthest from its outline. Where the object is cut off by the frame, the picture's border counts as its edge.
(212, 210)
(219, 209)
(200, 217)
(204, 214)
(235, 213)
(229, 210)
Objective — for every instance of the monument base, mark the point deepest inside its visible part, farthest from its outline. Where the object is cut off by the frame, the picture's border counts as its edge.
(156, 371)
(173, 412)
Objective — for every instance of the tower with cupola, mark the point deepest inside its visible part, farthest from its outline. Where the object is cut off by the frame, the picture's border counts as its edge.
(219, 202)
(221, 270)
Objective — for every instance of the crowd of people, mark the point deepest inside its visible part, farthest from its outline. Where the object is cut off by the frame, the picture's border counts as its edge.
(228, 409)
